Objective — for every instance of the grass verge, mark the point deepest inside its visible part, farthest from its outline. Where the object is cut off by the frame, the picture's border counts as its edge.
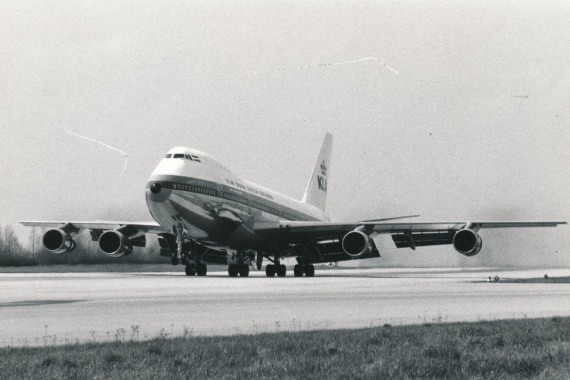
(514, 349)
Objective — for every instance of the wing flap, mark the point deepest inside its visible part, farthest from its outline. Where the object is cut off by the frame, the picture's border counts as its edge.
(422, 239)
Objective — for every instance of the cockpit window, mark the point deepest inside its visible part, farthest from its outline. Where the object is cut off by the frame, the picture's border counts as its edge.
(178, 155)
(168, 155)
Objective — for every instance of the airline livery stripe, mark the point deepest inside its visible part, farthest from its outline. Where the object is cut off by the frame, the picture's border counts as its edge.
(223, 191)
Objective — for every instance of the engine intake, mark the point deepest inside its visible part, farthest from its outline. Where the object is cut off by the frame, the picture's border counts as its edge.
(467, 242)
(58, 241)
(356, 243)
(115, 244)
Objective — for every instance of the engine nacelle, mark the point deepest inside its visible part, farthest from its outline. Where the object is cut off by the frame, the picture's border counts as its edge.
(356, 243)
(467, 242)
(58, 241)
(115, 244)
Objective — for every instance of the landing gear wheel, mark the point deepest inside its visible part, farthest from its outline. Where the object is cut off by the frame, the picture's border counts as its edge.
(281, 270)
(201, 269)
(298, 270)
(270, 270)
(184, 260)
(233, 270)
(309, 270)
(190, 269)
(174, 260)
(244, 270)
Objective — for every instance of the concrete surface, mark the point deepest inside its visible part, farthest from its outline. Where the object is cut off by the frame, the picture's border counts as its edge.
(55, 308)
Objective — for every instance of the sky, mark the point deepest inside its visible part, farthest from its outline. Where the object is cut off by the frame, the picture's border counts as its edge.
(473, 126)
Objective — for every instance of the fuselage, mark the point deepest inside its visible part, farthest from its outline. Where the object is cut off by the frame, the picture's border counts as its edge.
(191, 191)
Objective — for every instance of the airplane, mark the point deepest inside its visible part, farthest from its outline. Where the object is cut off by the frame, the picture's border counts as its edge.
(206, 214)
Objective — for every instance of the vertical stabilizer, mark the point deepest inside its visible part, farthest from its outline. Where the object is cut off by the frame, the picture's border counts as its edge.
(316, 193)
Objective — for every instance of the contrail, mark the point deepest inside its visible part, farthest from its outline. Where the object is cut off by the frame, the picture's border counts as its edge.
(105, 145)
(381, 62)
(320, 65)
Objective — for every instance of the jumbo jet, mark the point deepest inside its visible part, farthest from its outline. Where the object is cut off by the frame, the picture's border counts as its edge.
(205, 214)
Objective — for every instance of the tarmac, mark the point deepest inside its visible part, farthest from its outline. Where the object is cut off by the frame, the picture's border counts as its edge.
(41, 309)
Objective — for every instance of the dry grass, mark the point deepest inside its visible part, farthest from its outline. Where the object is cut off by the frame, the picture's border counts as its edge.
(503, 349)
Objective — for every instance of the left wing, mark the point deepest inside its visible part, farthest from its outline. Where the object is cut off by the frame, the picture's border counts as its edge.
(345, 241)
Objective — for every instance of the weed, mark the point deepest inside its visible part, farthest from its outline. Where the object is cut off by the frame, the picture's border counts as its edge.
(331, 348)
(155, 350)
(69, 363)
(48, 362)
(113, 358)
(120, 335)
(135, 330)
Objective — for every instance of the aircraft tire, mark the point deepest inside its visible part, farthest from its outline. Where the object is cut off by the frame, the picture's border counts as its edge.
(244, 270)
(270, 270)
(202, 269)
(190, 269)
(310, 270)
(281, 270)
(298, 270)
(174, 260)
(233, 270)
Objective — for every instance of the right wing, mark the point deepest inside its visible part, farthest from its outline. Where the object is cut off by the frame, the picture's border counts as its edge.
(150, 227)
(117, 238)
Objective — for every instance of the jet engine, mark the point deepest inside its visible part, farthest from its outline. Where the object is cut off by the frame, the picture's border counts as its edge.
(58, 241)
(467, 242)
(115, 244)
(356, 243)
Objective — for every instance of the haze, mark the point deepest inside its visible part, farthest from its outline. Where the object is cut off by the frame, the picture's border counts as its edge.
(474, 127)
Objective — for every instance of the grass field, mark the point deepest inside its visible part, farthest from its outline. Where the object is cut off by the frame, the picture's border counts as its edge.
(500, 350)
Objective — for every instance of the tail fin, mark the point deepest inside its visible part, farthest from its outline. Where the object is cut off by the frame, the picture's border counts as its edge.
(316, 193)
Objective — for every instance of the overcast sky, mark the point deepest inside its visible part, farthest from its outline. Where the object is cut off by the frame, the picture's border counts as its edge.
(474, 127)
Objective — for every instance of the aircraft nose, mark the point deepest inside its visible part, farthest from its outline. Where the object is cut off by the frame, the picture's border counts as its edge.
(157, 192)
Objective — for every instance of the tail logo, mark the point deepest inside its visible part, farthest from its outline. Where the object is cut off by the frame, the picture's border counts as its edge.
(322, 180)
(324, 169)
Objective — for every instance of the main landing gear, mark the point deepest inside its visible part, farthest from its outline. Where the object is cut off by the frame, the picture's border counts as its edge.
(275, 269)
(241, 269)
(307, 270)
(193, 269)
(240, 264)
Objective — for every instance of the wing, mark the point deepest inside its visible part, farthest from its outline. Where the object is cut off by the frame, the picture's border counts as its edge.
(123, 236)
(144, 227)
(404, 235)
(314, 229)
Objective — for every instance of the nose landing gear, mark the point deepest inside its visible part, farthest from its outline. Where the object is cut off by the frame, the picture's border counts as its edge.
(188, 253)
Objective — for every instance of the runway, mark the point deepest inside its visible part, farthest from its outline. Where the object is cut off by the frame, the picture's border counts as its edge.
(55, 308)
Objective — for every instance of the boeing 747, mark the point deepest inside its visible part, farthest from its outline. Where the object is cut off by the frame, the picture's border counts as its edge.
(204, 213)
